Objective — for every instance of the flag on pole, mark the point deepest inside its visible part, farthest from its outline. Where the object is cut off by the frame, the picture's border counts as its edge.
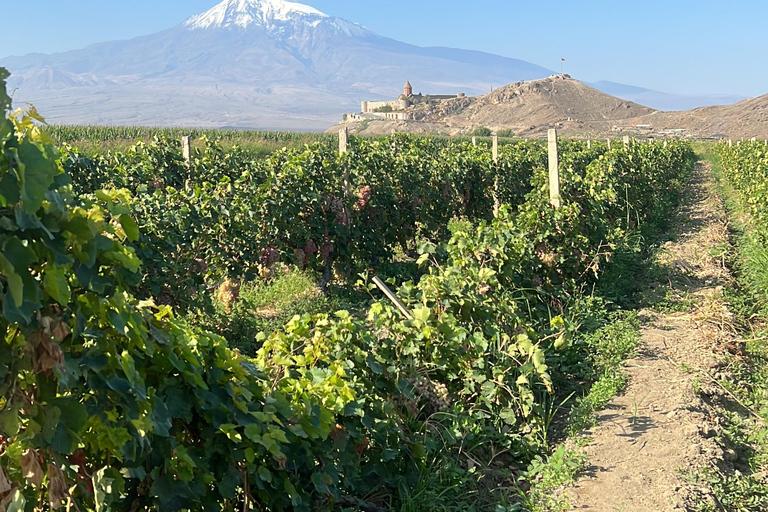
(562, 60)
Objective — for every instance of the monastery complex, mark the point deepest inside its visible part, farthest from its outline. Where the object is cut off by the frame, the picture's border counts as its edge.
(396, 110)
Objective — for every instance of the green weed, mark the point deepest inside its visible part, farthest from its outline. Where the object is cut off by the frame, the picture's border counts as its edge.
(547, 475)
(264, 306)
(742, 489)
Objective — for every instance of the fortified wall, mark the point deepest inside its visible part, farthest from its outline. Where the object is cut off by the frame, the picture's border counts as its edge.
(395, 110)
(369, 107)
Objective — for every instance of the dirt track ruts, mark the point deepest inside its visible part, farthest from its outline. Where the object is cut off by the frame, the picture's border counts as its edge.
(661, 428)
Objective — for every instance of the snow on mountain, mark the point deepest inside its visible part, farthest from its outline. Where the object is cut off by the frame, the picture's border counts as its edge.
(242, 13)
(270, 15)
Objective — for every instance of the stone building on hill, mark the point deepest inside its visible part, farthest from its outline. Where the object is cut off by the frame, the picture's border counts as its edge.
(407, 90)
(396, 110)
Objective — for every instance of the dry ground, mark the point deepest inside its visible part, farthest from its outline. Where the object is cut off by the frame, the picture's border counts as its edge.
(661, 428)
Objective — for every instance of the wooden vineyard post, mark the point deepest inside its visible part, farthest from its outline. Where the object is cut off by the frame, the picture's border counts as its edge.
(609, 144)
(474, 141)
(589, 143)
(186, 149)
(554, 170)
(665, 144)
(496, 203)
(626, 140)
(391, 296)
(730, 143)
(343, 148)
(343, 140)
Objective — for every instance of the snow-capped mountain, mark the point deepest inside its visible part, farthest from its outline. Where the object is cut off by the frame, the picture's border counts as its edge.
(263, 13)
(248, 63)
(275, 16)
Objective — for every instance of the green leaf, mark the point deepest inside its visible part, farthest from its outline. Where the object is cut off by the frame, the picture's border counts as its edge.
(253, 432)
(74, 413)
(16, 260)
(292, 493)
(264, 474)
(161, 420)
(389, 454)
(422, 314)
(23, 314)
(5, 100)
(130, 227)
(56, 284)
(102, 490)
(64, 441)
(9, 186)
(374, 365)
(37, 175)
(19, 502)
(9, 422)
(52, 417)
(15, 283)
(322, 481)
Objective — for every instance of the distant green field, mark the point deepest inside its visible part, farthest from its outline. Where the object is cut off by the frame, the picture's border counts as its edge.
(100, 139)
(91, 140)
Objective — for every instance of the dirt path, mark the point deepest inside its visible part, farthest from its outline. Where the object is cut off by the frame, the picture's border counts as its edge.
(660, 428)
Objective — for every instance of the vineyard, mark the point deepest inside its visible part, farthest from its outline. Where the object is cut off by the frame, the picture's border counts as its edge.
(746, 167)
(119, 386)
(100, 139)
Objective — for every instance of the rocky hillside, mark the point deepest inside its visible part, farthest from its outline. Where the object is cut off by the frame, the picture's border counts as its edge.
(531, 108)
(745, 119)
(528, 108)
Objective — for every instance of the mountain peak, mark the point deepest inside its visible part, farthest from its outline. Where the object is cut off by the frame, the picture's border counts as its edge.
(243, 13)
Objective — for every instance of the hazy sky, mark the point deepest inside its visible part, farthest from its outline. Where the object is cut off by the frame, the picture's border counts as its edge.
(677, 46)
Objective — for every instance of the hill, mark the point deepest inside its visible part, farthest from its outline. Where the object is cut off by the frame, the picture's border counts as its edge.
(746, 119)
(528, 108)
(559, 101)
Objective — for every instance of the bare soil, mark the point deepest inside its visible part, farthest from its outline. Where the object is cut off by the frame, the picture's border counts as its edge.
(661, 429)
(745, 119)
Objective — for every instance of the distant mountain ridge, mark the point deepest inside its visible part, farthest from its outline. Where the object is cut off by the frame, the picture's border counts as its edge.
(249, 63)
(664, 101)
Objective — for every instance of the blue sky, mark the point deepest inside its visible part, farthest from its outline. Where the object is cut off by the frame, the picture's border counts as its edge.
(686, 47)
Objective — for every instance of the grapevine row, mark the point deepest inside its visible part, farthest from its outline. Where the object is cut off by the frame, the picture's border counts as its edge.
(112, 403)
